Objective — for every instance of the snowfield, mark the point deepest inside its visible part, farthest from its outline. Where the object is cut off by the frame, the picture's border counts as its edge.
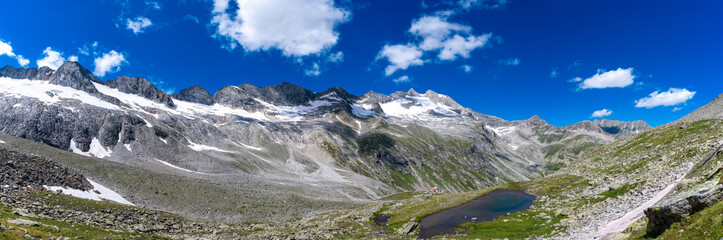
(98, 193)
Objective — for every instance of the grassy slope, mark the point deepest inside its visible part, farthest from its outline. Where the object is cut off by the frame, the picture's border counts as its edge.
(50, 228)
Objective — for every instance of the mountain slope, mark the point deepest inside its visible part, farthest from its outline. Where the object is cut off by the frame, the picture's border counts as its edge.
(329, 147)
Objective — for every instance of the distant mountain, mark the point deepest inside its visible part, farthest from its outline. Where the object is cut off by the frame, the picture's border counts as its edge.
(333, 142)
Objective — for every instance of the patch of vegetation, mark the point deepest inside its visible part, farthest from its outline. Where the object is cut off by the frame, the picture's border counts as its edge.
(53, 229)
(519, 225)
(706, 224)
(400, 196)
(370, 143)
(554, 166)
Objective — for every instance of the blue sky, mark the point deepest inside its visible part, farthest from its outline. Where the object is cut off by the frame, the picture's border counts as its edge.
(563, 60)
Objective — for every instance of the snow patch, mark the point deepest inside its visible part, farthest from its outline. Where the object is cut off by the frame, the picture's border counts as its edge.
(177, 167)
(501, 131)
(128, 146)
(48, 93)
(632, 216)
(98, 193)
(17, 105)
(361, 111)
(163, 140)
(200, 147)
(96, 149)
(3, 142)
(404, 107)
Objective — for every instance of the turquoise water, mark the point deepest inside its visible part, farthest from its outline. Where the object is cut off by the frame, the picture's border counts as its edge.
(484, 208)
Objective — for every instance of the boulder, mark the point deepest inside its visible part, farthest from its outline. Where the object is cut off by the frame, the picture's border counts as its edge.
(407, 228)
(681, 205)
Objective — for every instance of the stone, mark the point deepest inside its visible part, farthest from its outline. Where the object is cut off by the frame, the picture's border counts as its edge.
(24, 213)
(407, 228)
(24, 222)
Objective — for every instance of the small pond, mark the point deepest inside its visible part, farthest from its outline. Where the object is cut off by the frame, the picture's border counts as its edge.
(484, 208)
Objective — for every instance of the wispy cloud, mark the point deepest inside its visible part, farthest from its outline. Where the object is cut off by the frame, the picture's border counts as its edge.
(7, 49)
(466, 68)
(402, 79)
(509, 61)
(138, 24)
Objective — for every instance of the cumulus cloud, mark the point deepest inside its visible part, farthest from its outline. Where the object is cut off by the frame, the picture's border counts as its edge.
(296, 27)
(510, 61)
(7, 49)
(22, 61)
(138, 24)
(672, 97)
(433, 30)
(611, 79)
(601, 113)
(52, 59)
(433, 34)
(402, 79)
(108, 63)
(400, 57)
(73, 58)
(466, 68)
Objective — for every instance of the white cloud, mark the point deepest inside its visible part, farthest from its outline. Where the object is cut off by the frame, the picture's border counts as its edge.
(576, 79)
(601, 113)
(109, 62)
(315, 70)
(21, 60)
(466, 68)
(675, 109)
(137, 25)
(7, 49)
(73, 58)
(487, 4)
(153, 4)
(460, 46)
(52, 59)
(611, 79)
(432, 33)
(402, 79)
(296, 27)
(434, 30)
(672, 97)
(400, 57)
(510, 61)
(336, 57)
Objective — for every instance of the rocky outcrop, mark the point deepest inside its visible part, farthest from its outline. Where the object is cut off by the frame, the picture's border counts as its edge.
(194, 94)
(681, 205)
(141, 87)
(20, 169)
(713, 109)
(72, 74)
(43, 73)
(621, 127)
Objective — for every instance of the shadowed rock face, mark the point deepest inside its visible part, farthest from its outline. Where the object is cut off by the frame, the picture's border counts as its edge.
(43, 73)
(141, 87)
(680, 206)
(194, 94)
(72, 74)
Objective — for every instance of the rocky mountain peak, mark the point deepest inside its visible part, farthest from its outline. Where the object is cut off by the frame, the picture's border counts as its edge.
(411, 92)
(43, 73)
(72, 74)
(194, 94)
(141, 87)
(339, 92)
(713, 109)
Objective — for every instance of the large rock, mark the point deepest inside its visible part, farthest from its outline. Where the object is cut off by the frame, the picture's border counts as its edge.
(407, 228)
(195, 94)
(141, 87)
(681, 205)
